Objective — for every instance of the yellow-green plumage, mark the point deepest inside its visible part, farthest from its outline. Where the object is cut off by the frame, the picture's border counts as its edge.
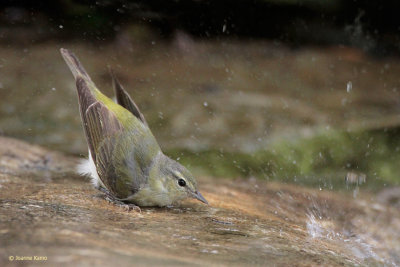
(128, 161)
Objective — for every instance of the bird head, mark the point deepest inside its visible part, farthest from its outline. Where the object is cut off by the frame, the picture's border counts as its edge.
(178, 182)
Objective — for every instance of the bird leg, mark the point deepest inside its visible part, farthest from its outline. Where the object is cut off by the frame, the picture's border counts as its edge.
(112, 199)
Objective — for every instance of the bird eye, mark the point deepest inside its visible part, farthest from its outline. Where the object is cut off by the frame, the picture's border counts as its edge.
(181, 182)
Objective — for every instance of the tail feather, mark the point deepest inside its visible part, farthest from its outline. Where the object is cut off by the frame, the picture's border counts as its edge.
(74, 65)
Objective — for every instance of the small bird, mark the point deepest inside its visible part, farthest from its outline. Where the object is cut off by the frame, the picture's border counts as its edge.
(125, 160)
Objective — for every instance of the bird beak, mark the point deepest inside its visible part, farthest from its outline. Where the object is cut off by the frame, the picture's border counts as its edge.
(199, 196)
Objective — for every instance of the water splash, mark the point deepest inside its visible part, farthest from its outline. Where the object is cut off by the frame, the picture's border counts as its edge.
(323, 228)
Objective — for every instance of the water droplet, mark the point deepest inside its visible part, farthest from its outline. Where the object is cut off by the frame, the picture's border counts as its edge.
(349, 87)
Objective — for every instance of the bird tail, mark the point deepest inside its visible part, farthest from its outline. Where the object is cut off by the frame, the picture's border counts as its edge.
(74, 65)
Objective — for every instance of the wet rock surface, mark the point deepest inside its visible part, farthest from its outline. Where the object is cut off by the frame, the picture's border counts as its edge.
(47, 210)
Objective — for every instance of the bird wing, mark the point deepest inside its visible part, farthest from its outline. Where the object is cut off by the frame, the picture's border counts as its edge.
(101, 127)
(125, 100)
(122, 154)
(122, 147)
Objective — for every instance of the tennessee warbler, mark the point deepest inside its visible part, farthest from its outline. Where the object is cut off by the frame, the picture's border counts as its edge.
(125, 160)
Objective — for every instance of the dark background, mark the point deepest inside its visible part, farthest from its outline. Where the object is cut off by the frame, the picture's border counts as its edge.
(372, 26)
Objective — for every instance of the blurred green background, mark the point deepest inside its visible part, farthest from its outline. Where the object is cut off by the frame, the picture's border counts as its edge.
(297, 91)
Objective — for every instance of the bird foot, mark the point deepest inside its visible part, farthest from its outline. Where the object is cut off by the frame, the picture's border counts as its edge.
(112, 199)
(129, 207)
